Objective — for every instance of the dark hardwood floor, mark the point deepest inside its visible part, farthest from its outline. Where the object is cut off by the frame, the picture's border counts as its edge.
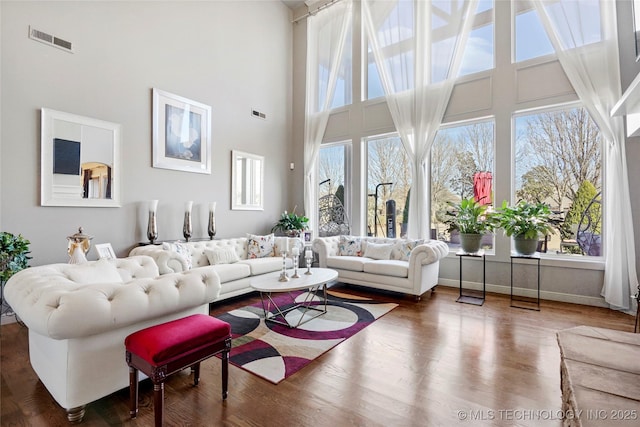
(433, 362)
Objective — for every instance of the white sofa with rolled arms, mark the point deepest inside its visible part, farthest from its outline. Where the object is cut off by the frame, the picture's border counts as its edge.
(399, 265)
(235, 260)
(78, 316)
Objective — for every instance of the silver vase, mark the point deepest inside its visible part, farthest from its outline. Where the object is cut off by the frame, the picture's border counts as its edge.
(211, 229)
(152, 226)
(186, 227)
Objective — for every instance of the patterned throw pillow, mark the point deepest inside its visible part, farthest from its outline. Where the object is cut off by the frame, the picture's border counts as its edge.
(260, 246)
(402, 250)
(181, 249)
(350, 246)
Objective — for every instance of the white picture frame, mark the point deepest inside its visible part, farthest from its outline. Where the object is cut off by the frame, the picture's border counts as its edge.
(181, 133)
(105, 251)
(73, 148)
(307, 237)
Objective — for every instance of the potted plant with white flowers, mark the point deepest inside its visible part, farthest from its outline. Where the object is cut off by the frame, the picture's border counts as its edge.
(472, 220)
(526, 222)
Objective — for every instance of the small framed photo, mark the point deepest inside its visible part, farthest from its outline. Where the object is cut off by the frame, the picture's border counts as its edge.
(307, 236)
(105, 251)
(181, 133)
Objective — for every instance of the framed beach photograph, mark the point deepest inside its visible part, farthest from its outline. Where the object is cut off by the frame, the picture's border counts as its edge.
(105, 251)
(181, 133)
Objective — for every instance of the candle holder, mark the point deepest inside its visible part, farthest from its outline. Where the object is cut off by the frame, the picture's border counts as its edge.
(308, 257)
(283, 273)
(295, 267)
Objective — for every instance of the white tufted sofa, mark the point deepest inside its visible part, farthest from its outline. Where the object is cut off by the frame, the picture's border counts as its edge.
(399, 265)
(78, 316)
(235, 277)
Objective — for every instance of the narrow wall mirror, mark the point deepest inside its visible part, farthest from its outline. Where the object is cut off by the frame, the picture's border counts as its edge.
(247, 173)
(79, 161)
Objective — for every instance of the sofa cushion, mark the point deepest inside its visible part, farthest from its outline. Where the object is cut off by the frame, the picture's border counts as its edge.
(181, 249)
(378, 250)
(229, 272)
(350, 246)
(263, 265)
(393, 268)
(353, 263)
(402, 249)
(260, 246)
(223, 255)
(101, 271)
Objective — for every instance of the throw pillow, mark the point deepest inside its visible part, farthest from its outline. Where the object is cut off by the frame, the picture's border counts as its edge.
(350, 246)
(402, 250)
(378, 250)
(224, 255)
(181, 249)
(260, 246)
(101, 271)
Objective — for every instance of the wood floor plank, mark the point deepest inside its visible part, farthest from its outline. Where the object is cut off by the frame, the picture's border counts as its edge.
(429, 363)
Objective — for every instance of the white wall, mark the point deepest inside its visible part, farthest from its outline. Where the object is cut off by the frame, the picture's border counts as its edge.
(233, 56)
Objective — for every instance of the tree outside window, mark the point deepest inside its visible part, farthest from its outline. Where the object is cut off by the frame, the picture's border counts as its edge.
(558, 159)
(460, 155)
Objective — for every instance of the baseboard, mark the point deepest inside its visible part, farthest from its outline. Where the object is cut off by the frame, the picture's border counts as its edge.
(544, 295)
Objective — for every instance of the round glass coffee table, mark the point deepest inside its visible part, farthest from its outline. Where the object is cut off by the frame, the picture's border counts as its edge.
(296, 310)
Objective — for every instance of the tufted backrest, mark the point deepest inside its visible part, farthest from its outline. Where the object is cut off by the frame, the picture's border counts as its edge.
(199, 258)
(136, 267)
(51, 303)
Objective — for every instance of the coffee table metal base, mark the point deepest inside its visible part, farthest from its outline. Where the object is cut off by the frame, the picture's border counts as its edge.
(305, 306)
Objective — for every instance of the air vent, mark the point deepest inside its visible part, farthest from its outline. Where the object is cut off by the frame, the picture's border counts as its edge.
(51, 40)
(257, 114)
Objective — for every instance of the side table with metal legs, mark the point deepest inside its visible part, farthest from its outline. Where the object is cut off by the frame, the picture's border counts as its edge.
(534, 303)
(467, 298)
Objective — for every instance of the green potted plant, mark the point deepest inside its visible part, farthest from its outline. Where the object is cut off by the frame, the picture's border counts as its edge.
(14, 256)
(525, 221)
(291, 224)
(472, 220)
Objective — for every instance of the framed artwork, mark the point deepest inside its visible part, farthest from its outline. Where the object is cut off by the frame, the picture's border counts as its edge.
(181, 133)
(80, 160)
(105, 251)
(307, 237)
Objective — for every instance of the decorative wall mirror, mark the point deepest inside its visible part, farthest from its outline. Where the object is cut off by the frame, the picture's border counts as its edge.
(247, 176)
(80, 161)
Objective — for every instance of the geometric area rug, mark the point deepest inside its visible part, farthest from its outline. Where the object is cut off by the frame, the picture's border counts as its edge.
(275, 352)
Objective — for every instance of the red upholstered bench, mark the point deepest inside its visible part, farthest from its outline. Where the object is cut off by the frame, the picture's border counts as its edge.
(162, 350)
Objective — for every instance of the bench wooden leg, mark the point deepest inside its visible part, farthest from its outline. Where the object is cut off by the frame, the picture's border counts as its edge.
(133, 392)
(225, 373)
(158, 400)
(196, 373)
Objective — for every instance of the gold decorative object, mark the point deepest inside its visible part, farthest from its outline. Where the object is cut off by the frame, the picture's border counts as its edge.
(78, 246)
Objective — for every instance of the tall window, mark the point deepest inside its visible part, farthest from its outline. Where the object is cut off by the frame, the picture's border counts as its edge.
(462, 159)
(388, 185)
(531, 40)
(558, 161)
(332, 210)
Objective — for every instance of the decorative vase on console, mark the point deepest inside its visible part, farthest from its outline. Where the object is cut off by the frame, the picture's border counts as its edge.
(186, 228)
(212, 220)
(152, 227)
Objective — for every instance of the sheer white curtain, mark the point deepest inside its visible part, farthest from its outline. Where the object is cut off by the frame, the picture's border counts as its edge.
(584, 35)
(326, 35)
(418, 47)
